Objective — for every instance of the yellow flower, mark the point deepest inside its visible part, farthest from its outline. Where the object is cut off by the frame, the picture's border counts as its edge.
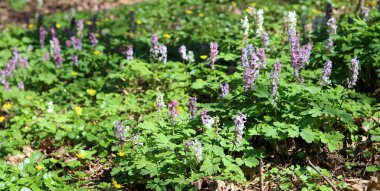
(31, 26)
(201, 15)
(167, 36)
(248, 10)
(80, 155)
(91, 92)
(204, 57)
(189, 12)
(316, 12)
(97, 34)
(2, 118)
(120, 154)
(179, 109)
(7, 105)
(116, 185)
(75, 74)
(58, 26)
(78, 110)
(40, 167)
(88, 22)
(97, 53)
(233, 3)
(138, 22)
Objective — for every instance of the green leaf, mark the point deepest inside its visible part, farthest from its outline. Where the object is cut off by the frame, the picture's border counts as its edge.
(207, 167)
(251, 162)
(199, 84)
(372, 168)
(308, 135)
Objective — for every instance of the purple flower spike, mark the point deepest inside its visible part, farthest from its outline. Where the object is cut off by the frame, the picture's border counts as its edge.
(75, 60)
(154, 49)
(163, 52)
(77, 44)
(192, 104)
(265, 40)
(121, 131)
(251, 74)
(225, 89)
(93, 39)
(326, 73)
(239, 127)
(262, 57)
(21, 86)
(354, 72)
(56, 51)
(80, 28)
(275, 78)
(42, 36)
(329, 46)
(130, 52)
(213, 54)
(182, 51)
(173, 112)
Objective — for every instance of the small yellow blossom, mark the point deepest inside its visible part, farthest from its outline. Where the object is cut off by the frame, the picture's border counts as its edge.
(75, 74)
(91, 92)
(316, 12)
(97, 53)
(58, 25)
(120, 154)
(189, 12)
(78, 110)
(31, 26)
(204, 57)
(88, 22)
(97, 34)
(233, 3)
(80, 155)
(201, 15)
(2, 119)
(40, 167)
(116, 185)
(7, 105)
(248, 10)
(179, 109)
(138, 22)
(167, 36)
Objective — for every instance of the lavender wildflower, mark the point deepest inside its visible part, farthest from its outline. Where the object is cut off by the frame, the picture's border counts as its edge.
(275, 78)
(331, 25)
(6, 85)
(121, 131)
(75, 60)
(225, 89)
(354, 72)
(163, 51)
(130, 52)
(42, 36)
(56, 49)
(329, 46)
(77, 44)
(265, 40)
(262, 57)
(136, 140)
(239, 129)
(251, 73)
(173, 112)
(326, 73)
(93, 39)
(299, 55)
(160, 101)
(21, 85)
(213, 53)
(80, 28)
(207, 120)
(365, 13)
(154, 49)
(182, 51)
(248, 55)
(192, 104)
(198, 149)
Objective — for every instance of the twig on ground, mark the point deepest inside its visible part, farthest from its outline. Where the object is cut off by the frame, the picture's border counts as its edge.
(324, 177)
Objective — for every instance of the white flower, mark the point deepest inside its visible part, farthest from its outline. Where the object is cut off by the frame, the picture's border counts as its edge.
(50, 108)
(245, 26)
(292, 20)
(260, 22)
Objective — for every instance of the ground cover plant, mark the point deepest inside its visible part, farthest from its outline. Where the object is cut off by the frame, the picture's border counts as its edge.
(193, 95)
